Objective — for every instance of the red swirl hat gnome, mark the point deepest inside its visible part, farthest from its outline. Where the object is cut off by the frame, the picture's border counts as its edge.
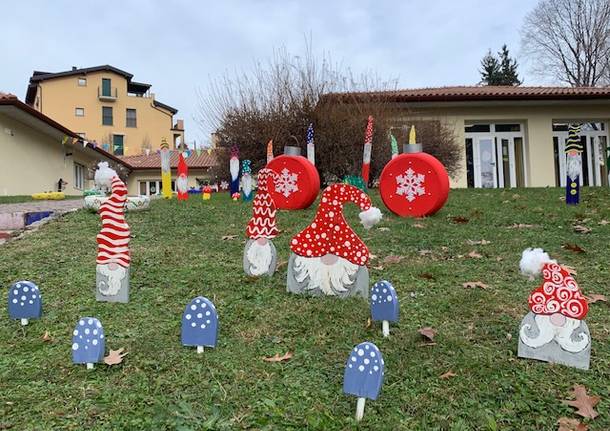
(328, 258)
(260, 255)
(112, 279)
(554, 330)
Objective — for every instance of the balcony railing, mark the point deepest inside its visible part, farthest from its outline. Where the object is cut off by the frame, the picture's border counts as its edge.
(109, 95)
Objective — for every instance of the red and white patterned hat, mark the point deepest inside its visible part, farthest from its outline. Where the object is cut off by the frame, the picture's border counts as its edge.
(329, 233)
(559, 293)
(262, 224)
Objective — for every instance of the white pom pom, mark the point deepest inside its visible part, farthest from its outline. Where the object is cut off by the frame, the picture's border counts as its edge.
(104, 175)
(370, 217)
(532, 261)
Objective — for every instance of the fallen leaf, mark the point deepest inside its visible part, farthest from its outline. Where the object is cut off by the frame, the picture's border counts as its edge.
(447, 375)
(115, 357)
(499, 259)
(378, 268)
(567, 424)
(424, 252)
(418, 226)
(521, 226)
(281, 264)
(229, 237)
(573, 247)
(595, 297)
(383, 229)
(604, 222)
(459, 220)
(584, 403)
(427, 332)
(473, 284)
(369, 323)
(426, 276)
(277, 358)
(46, 337)
(392, 259)
(474, 255)
(569, 269)
(373, 256)
(581, 229)
(481, 242)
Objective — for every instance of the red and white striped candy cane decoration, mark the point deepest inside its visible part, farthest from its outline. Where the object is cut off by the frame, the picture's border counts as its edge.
(113, 239)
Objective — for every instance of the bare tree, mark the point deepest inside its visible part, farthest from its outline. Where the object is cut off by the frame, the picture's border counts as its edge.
(569, 39)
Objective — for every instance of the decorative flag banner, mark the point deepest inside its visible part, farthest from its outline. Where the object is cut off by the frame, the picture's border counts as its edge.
(166, 171)
(269, 150)
(113, 258)
(363, 376)
(311, 150)
(554, 330)
(182, 180)
(64, 140)
(24, 302)
(234, 169)
(368, 144)
(574, 149)
(394, 144)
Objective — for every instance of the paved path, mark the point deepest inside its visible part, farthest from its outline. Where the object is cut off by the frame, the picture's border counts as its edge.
(61, 206)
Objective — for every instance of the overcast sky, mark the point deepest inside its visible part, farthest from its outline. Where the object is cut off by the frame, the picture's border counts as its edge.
(178, 46)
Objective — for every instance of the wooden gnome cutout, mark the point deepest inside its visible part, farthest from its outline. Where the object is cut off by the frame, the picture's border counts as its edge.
(113, 258)
(328, 258)
(166, 171)
(384, 305)
(88, 342)
(415, 183)
(297, 182)
(24, 302)
(573, 150)
(260, 255)
(246, 181)
(200, 324)
(363, 376)
(182, 183)
(234, 170)
(206, 193)
(554, 330)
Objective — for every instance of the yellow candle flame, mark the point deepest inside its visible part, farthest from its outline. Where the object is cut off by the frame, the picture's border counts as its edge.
(412, 135)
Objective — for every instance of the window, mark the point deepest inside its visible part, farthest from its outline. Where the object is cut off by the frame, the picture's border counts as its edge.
(82, 82)
(79, 176)
(106, 89)
(79, 112)
(131, 118)
(477, 128)
(107, 115)
(508, 127)
(117, 145)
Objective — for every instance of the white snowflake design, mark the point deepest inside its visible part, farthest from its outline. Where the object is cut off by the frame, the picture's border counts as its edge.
(286, 183)
(411, 185)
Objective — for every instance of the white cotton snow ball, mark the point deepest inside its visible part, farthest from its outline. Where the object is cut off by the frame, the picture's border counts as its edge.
(532, 261)
(104, 175)
(370, 217)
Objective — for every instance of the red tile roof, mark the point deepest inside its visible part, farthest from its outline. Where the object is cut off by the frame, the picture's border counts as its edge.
(481, 93)
(153, 160)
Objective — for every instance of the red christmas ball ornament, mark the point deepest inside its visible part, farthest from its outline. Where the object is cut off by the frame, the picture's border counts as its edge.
(296, 182)
(414, 184)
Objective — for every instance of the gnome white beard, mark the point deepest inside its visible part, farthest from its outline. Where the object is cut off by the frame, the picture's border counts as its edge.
(573, 165)
(234, 168)
(259, 256)
(114, 278)
(330, 279)
(182, 184)
(548, 332)
(247, 183)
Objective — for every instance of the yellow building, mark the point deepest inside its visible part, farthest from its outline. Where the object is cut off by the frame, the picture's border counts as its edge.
(37, 152)
(104, 105)
(512, 136)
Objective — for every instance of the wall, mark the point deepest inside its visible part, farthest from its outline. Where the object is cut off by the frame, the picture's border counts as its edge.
(60, 96)
(538, 134)
(155, 175)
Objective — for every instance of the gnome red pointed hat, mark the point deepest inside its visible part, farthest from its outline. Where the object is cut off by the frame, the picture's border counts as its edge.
(262, 224)
(329, 233)
(559, 293)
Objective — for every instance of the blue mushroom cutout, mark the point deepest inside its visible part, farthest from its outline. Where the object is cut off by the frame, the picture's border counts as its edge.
(384, 305)
(24, 301)
(88, 342)
(363, 375)
(200, 324)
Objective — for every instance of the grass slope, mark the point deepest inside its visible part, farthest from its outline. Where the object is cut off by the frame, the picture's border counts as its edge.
(178, 253)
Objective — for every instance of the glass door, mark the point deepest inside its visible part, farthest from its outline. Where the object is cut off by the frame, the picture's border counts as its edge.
(485, 162)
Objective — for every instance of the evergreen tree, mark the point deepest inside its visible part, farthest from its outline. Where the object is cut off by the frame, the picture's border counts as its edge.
(491, 71)
(508, 68)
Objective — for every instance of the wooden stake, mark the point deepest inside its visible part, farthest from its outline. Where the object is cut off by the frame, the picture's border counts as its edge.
(385, 328)
(199, 349)
(24, 322)
(89, 366)
(360, 409)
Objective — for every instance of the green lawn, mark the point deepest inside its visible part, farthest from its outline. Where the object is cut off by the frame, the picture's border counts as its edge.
(178, 253)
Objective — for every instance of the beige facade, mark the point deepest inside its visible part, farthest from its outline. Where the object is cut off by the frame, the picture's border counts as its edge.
(103, 105)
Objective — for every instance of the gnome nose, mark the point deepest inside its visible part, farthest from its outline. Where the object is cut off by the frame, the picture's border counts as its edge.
(329, 259)
(558, 319)
(261, 241)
